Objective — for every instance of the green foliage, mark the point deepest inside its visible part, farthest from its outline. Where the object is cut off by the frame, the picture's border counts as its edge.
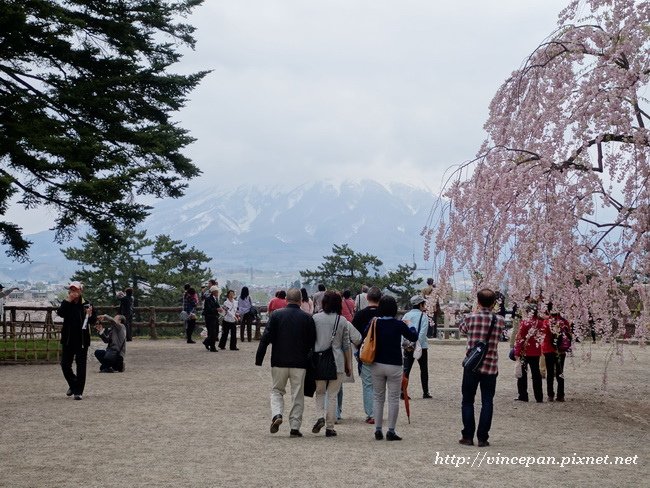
(86, 102)
(29, 350)
(401, 283)
(156, 269)
(346, 269)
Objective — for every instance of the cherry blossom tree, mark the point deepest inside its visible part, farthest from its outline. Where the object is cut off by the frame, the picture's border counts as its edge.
(557, 202)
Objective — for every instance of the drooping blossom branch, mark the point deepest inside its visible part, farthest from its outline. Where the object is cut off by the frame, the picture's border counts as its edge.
(557, 202)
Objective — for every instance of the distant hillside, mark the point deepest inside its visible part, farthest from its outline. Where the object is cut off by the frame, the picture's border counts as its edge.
(285, 229)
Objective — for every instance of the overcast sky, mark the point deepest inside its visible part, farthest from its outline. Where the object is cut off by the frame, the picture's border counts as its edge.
(303, 90)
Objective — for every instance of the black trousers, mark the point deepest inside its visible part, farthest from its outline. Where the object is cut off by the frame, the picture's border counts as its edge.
(522, 383)
(129, 328)
(117, 363)
(488, 384)
(78, 355)
(211, 326)
(247, 325)
(424, 368)
(228, 328)
(555, 370)
(190, 325)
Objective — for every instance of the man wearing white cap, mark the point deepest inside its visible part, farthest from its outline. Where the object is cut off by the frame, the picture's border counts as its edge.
(78, 316)
(416, 317)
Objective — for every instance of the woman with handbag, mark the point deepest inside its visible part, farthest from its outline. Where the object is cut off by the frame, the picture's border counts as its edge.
(418, 318)
(332, 358)
(387, 369)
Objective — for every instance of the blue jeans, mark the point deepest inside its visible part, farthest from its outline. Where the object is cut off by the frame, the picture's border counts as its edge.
(339, 402)
(366, 382)
(488, 384)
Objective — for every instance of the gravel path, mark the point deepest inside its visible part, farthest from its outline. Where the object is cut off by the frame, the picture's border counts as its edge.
(180, 416)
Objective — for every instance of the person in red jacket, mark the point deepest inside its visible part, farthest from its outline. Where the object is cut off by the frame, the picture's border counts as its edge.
(557, 341)
(277, 302)
(528, 350)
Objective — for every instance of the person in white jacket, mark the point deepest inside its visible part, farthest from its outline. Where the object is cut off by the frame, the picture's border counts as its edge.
(229, 323)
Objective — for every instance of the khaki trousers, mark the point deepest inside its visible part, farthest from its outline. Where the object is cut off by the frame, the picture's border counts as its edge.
(296, 377)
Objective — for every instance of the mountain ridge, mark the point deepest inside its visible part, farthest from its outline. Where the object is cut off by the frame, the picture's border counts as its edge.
(273, 227)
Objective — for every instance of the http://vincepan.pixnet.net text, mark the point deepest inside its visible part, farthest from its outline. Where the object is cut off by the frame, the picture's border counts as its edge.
(483, 458)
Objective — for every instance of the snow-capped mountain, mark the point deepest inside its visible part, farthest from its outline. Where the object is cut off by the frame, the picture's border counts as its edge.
(296, 226)
(275, 228)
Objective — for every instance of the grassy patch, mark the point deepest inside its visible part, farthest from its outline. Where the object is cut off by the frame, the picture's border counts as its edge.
(29, 350)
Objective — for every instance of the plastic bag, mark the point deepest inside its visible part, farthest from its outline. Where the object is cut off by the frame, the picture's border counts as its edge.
(519, 372)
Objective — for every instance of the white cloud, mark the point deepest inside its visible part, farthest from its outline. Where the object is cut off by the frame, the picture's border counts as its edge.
(396, 90)
(338, 89)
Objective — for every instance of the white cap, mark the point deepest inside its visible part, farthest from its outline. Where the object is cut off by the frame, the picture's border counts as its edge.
(214, 288)
(76, 284)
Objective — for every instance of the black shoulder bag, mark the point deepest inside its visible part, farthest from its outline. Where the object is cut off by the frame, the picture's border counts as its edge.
(476, 354)
(323, 364)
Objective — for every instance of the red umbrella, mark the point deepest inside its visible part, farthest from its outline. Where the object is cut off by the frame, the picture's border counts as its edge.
(405, 394)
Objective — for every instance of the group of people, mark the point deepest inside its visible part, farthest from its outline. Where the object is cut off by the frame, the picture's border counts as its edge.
(539, 337)
(232, 310)
(303, 327)
(300, 327)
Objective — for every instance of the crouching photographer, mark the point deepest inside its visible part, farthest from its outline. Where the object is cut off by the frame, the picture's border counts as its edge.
(112, 359)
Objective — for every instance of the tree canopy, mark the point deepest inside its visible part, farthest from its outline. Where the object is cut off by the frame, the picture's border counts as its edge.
(156, 268)
(86, 99)
(557, 202)
(346, 269)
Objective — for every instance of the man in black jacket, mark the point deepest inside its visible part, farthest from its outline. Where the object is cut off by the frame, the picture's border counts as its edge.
(78, 316)
(293, 334)
(211, 314)
(360, 321)
(126, 310)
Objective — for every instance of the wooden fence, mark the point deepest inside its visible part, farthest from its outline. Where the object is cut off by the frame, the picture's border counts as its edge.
(25, 322)
(31, 334)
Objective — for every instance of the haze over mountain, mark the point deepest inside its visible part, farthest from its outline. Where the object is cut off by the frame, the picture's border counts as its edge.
(286, 229)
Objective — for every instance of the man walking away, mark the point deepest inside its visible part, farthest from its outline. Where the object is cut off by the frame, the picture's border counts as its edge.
(318, 298)
(361, 301)
(476, 326)
(360, 321)
(292, 334)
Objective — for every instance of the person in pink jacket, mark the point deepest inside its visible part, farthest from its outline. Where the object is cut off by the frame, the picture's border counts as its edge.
(528, 350)
(348, 306)
(556, 343)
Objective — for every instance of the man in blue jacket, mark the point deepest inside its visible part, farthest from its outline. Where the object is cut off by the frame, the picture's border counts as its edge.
(292, 333)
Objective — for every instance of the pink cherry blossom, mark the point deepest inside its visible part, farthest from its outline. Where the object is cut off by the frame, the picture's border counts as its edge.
(557, 202)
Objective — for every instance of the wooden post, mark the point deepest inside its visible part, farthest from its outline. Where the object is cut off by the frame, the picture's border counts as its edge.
(152, 323)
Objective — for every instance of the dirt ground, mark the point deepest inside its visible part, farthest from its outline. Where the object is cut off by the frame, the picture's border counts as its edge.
(180, 416)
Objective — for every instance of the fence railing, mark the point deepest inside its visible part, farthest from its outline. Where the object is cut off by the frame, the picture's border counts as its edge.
(32, 333)
(25, 322)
